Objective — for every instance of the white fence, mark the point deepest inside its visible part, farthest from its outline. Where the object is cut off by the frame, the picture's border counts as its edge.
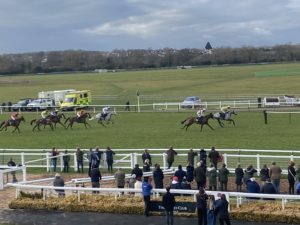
(127, 158)
(6, 171)
(239, 196)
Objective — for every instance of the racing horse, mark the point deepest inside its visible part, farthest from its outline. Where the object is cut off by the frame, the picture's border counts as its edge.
(74, 119)
(56, 119)
(191, 120)
(15, 123)
(227, 117)
(42, 121)
(108, 119)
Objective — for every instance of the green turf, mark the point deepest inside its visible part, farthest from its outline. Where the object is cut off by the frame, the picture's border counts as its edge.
(285, 72)
(160, 130)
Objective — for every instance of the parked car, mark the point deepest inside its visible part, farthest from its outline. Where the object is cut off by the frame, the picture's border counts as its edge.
(191, 102)
(21, 104)
(41, 104)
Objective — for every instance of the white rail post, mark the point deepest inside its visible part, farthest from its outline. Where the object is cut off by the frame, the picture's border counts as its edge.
(164, 161)
(75, 162)
(61, 162)
(132, 160)
(258, 163)
(24, 173)
(225, 158)
(1, 180)
(23, 158)
(292, 158)
(48, 161)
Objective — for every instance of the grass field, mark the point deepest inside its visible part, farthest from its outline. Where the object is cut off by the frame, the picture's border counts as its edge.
(160, 130)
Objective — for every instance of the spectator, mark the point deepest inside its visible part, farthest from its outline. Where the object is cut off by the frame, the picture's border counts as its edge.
(298, 173)
(3, 106)
(95, 175)
(202, 207)
(54, 154)
(146, 188)
(249, 173)
(11, 163)
(109, 159)
(223, 177)
(191, 156)
(138, 186)
(146, 155)
(203, 166)
(168, 203)
(137, 171)
(185, 185)
(214, 156)
(222, 210)
(264, 174)
(175, 184)
(9, 104)
(79, 156)
(59, 182)
(203, 156)
(189, 172)
(180, 174)
(212, 177)
(239, 174)
(146, 166)
(98, 157)
(89, 156)
(120, 178)
(127, 107)
(131, 181)
(158, 177)
(252, 187)
(292, 177)
(268, 188)
(170, 156)
(199, 176)
(298, 188)
(211, 216)
(275, 174)
(66, 160)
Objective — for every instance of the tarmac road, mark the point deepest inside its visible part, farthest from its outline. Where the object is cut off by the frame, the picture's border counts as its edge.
(24, 217)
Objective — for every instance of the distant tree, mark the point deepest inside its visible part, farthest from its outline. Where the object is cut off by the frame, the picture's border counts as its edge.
(208, 46)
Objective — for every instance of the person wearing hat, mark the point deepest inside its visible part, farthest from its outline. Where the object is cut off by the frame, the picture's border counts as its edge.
(45, 114)
(224, 111)
(59, 182)
(175, 184)
(146, 188)
(105, 112)
(200, 114)
(54, 113)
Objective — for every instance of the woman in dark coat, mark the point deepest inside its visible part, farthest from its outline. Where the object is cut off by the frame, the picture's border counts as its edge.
(264, 174)
(291, 177)
(239, 174)
(189, 173)
(158, 177)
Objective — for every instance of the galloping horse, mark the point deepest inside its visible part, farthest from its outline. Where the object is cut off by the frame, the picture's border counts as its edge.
(74, 119)
(39, 122)
(12, 123)
(56, 119)
(106, 119)
(191, 120)
(226, 117)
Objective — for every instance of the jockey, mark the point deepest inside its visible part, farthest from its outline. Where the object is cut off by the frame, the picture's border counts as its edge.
(45, 114)
(225, 110)
(80, 113)
(105, 111)
(14, 116)
(200, 114)
(54, 113)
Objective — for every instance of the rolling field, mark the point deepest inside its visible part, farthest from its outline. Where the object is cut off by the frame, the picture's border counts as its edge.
(160, 130)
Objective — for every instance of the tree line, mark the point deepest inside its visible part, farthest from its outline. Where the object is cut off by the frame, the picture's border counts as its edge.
(80, 60)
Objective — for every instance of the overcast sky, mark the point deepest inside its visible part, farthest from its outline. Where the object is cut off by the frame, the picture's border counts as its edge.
(105, 25)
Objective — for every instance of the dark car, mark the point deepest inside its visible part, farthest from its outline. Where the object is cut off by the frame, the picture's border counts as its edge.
(21, 104)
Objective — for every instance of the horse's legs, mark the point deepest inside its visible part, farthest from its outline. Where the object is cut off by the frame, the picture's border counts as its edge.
(209, 126)
(231, 121)
(220, 123)
(60, 124)
(34, 127)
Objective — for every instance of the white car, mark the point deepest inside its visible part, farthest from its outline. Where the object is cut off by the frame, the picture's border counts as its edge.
(40, 104)
(191, 102)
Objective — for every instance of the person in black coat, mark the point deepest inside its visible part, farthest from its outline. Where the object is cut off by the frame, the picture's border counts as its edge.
(146, 155)
(268, 188)
(202, 207)
(189, 173)
(95, 177)
(249, 173)
(109, 159)
(264, 174)
(222, 210)
(203, 155)
(239, 174)
(214, 156)
(180, 174)
(158, 177)
(137, 171)
(292, 177)
(168, 203)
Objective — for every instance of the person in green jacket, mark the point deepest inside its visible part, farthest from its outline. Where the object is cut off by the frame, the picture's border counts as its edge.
(223, 177)
(212, 175)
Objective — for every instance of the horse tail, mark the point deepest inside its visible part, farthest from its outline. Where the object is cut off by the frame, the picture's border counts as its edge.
(67, 120)
(2, 124)
(32, 121)
(182, 122)
(92, 118)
